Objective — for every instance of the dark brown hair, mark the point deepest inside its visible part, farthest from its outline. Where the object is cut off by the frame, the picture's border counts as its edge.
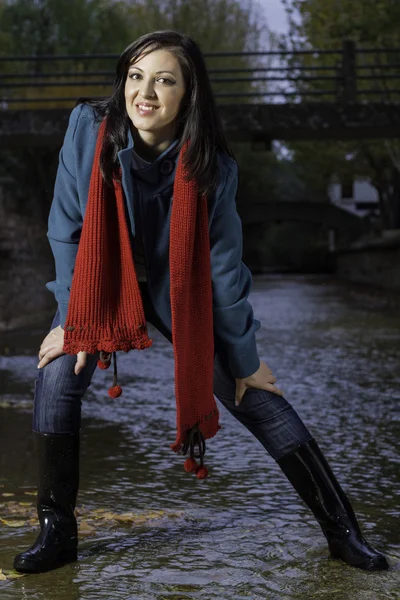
(198, 119)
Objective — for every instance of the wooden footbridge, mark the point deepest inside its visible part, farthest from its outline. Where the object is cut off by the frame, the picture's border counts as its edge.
(343, 93)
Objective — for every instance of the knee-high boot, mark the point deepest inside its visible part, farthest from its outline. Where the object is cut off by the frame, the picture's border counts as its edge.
(308, 471)
(57, 488)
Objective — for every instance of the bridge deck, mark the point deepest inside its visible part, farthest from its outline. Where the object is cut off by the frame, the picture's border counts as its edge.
(242, 122)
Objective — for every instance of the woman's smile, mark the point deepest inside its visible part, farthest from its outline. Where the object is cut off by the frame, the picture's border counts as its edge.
(145, 110)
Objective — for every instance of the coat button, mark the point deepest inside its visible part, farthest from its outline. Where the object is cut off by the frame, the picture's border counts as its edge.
(167, 167)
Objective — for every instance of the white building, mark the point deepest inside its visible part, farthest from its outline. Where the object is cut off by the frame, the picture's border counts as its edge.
(357, 196)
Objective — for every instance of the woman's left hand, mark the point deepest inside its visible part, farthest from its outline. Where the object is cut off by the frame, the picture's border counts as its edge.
(261, 380)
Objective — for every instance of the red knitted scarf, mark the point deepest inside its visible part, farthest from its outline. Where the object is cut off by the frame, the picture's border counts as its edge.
(105, 310)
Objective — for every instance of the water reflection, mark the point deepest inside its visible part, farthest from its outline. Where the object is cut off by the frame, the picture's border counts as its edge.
(243, 532)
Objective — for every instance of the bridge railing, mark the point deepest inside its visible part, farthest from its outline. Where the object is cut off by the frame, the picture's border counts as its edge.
(346, 75)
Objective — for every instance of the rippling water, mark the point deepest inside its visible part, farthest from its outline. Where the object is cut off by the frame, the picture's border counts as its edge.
(243, 532)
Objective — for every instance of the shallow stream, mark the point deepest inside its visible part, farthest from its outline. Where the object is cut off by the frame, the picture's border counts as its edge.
(243, 532)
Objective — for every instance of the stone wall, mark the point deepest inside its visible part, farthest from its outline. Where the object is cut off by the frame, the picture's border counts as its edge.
(375, 262)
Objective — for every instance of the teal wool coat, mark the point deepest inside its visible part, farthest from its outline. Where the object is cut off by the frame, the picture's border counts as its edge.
(234, 323)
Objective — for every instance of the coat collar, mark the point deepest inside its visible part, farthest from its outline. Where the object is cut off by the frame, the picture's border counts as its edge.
(162, 167)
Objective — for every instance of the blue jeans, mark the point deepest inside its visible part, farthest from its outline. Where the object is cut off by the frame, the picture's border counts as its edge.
(59, 392)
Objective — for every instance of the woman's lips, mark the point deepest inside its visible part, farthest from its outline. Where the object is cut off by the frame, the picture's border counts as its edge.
(145, 112)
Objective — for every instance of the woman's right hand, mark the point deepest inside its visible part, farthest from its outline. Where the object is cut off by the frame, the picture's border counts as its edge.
(52, 347)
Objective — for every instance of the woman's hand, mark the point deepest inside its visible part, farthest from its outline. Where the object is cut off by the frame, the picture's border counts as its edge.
(52, 347)
(261, 380)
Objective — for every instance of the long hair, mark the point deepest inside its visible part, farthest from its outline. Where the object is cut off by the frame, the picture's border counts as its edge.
(198, 118)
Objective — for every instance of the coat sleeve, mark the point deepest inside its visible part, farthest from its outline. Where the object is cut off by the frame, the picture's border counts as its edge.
(65, 219)
(234, 324)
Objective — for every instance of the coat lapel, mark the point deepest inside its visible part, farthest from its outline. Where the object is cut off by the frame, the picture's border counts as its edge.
(125, 158)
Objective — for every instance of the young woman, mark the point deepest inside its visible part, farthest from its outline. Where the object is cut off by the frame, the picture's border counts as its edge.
(143, 228)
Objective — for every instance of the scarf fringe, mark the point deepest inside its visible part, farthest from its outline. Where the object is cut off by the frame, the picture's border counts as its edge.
(193, 436)
(109, 346)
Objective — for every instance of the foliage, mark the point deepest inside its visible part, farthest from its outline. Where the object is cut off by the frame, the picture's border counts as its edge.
(316, 24)
(63, 27)
(369, 22)
(67, 27)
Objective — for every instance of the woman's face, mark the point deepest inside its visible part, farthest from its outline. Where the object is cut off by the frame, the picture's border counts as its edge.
(154, 90)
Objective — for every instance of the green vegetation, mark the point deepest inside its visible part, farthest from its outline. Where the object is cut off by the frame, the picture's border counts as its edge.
(324, 24)
(67, 27)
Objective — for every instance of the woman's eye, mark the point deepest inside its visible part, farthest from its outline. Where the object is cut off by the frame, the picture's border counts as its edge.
(135, 76)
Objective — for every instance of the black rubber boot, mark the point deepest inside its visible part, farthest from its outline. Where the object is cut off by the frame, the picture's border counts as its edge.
(57, 483)
(312, 478)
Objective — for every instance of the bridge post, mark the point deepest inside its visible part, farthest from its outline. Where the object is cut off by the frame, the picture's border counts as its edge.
(347, 91)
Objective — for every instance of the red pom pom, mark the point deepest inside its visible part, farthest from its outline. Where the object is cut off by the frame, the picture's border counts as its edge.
(103, 365)
(115, 391)
(201, 472)
(190, 465)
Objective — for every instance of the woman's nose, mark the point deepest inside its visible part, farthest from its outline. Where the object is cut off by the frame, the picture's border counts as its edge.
(147, 90)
